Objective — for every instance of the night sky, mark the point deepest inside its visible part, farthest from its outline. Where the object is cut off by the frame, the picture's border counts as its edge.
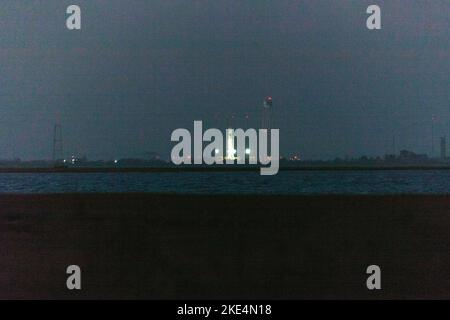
(140, 69)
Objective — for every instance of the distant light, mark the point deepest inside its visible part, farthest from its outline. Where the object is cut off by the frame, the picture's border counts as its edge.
(247, 151)
(64, 161)
(216, 151)
(115, 161)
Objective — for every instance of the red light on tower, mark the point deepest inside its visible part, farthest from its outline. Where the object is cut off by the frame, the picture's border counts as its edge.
(268, 102)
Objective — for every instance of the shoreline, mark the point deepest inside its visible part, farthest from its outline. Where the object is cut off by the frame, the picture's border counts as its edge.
(222, 168)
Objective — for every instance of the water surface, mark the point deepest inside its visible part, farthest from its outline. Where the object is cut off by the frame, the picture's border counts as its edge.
(288, 182)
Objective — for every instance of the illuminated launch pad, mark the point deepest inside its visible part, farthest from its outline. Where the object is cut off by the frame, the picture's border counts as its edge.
(266, 123)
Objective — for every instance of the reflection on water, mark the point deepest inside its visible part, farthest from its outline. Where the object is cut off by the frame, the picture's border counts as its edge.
(299, 182)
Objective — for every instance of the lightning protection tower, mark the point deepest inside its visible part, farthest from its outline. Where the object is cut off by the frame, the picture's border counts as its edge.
(266, 117)
(57, 143)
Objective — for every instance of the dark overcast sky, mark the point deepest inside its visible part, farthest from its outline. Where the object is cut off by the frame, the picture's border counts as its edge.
(139, 69)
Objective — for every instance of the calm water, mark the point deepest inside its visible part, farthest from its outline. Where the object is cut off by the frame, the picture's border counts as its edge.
(300, 182)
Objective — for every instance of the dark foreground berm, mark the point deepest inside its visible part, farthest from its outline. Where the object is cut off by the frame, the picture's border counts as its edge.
(215, 247)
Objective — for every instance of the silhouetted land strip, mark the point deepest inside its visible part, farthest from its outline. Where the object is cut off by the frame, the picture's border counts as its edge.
(221, 168)
(224, 246)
